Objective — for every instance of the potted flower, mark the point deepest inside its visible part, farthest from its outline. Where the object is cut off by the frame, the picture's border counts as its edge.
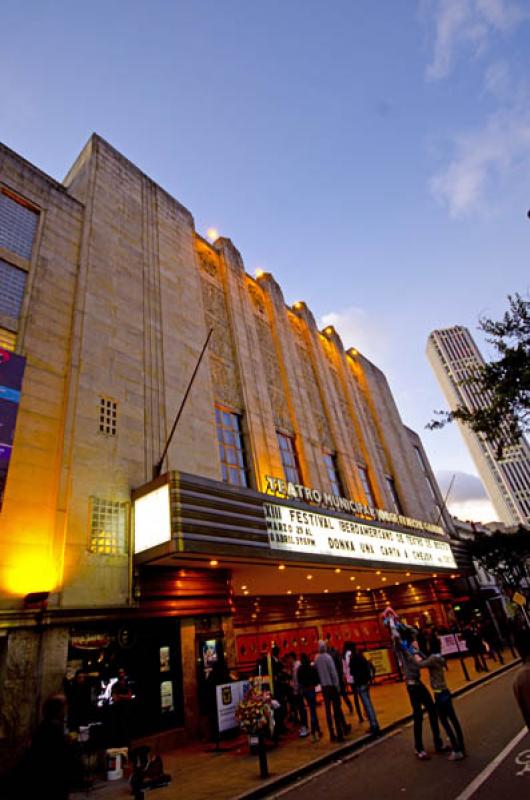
(255, 716)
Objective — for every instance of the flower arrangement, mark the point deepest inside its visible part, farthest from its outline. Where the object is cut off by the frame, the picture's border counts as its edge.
(254, 712)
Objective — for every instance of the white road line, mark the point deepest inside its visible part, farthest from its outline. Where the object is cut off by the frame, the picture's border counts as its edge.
(483, 776)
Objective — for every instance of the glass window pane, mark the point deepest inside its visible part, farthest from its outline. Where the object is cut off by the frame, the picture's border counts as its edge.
(18, 225)
(12, 285)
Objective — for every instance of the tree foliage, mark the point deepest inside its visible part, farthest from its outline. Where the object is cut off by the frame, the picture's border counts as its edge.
(504, 382)
(504, 555)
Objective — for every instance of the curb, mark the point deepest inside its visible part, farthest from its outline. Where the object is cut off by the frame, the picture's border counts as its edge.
(281, 781)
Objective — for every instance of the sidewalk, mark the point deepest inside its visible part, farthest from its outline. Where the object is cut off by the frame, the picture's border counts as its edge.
(201, 775)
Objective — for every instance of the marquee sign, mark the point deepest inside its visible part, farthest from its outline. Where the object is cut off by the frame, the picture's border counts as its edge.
(295, 530)
(297, 491)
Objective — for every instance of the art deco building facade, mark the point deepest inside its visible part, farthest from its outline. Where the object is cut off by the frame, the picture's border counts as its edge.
(292, 501)
(454, 357)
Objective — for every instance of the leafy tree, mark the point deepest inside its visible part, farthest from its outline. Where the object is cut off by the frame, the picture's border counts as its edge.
(504, 555)
(503, 382)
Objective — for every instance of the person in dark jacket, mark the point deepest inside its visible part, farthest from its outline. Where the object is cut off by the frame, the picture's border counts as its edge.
(307, 679)
(49, 765)
(361, 672)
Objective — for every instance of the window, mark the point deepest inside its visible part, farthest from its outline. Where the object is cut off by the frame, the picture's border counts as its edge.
(18, 224)
(426, 475)
(398, 508)
(290, 464)
(108, 526)
(231, 451)
(330, 460)
(12, 284)
(108, 410)
(367, 486)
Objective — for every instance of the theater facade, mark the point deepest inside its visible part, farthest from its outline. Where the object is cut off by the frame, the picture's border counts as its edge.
(292, 502)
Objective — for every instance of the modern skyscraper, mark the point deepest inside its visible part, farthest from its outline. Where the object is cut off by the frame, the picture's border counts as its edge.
(454, 356)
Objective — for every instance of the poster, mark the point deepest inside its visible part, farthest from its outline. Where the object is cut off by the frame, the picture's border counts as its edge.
(166, 696)
(164, 659)
(228, 695)
(380, 660)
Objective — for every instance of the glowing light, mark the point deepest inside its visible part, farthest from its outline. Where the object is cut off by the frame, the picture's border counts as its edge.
(407, 574)
(212, 234)
(281, 566)
(243, 588)
(383, 578)
(246, 591)
(326, 591)
(298, 304)
(214, 562)
(378, 572)
(309, 577)
(396, 583)
(28, 572)
(352, 577)
(435, 574)
(337, 569)
(289, 591)
(328, 331)
(259, 273)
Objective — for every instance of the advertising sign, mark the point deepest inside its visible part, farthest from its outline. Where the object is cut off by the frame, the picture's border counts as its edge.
(450, 646)
(296, 530)
(228, 695)
(11, 373)
(380, 660)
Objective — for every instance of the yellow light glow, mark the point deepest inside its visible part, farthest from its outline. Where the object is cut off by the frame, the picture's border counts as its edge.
(298, 304)
(212, 234)
(368, 589)
(309, 577)
(328, 330)
(30, 572)
(378, 572)
(289, 591)
(337, 569)
(396, 583)
(435, 574)
(326, 591)
(383, 578)
(214, 562)
(281, 566)
(246, 591)
(259, 273)
(407, 574)
(243, 588)
(352, 577)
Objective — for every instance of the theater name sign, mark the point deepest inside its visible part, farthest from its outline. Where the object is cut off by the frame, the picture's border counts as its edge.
(297, 530)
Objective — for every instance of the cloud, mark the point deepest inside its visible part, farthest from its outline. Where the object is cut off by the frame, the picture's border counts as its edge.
(469, 25)
(481, 159)
(467, 499)
(361, 330)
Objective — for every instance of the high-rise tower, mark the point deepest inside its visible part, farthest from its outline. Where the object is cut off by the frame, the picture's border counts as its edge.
(454, 357)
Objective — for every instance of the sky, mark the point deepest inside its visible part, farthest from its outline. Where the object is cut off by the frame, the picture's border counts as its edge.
(374, 156)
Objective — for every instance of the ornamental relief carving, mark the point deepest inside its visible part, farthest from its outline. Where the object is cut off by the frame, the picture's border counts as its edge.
(225, 383)
(208, 261)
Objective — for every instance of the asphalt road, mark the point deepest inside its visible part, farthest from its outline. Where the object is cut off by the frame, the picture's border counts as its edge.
(497, 766)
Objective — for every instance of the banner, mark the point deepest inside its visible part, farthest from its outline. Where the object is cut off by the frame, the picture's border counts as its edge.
(11, 373)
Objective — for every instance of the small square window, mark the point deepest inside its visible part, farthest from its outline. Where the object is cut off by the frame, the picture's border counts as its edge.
(108, 416)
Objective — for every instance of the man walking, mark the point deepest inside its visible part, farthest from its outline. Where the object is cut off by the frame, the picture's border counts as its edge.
(329, 682)
(361, 672)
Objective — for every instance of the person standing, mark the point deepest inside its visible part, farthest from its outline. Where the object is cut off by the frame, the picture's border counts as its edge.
(361, 672)
(435, 663)
(329, 682)
(307, 680)
(349, 647)
(521, 684)
(420, 698)
(339, 666)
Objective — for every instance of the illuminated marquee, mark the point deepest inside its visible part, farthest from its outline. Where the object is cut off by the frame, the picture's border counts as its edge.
(297, 491)
(295, 530)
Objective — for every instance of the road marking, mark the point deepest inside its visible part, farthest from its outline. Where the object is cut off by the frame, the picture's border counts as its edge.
(483, 776)
(523, 760)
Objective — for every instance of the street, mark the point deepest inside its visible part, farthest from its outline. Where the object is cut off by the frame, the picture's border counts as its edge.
(498, 762)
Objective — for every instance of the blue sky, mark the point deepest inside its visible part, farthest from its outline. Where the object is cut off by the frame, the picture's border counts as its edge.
(374, 156)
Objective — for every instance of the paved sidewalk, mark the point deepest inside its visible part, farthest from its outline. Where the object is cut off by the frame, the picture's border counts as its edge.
(199, 774)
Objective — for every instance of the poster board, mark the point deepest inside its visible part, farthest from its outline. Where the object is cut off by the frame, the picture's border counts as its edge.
(381, 661)
(449, 644)
(227, 696)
